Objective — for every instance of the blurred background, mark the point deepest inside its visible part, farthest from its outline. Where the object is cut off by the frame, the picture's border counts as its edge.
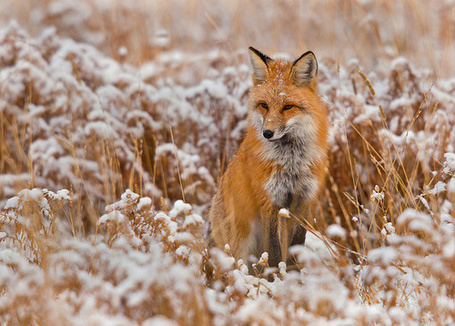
(137, 31)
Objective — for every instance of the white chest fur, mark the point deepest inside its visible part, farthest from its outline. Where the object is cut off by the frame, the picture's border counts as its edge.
(283, 186)
(294, 155)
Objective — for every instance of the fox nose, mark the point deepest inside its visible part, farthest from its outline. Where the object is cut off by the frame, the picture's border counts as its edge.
(267, 134)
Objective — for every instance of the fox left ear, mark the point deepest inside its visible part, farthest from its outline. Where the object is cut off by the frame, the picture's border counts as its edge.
(259, 63)
(304, 70)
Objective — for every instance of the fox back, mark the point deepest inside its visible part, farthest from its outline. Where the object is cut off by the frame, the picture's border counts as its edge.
(282, 162)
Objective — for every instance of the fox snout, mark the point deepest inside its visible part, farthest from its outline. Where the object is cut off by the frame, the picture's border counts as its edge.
(273, 134)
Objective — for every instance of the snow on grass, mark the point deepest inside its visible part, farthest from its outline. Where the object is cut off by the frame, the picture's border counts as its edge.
(336, 231)
(284, 213)
(90, 144)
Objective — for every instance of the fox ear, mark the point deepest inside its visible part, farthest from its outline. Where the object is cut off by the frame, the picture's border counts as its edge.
(304, 70)
(259, 63)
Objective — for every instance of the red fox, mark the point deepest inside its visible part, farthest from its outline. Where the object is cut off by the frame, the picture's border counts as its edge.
(282, 162)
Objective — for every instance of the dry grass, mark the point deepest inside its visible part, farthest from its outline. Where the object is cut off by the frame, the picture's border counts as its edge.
(164, 116)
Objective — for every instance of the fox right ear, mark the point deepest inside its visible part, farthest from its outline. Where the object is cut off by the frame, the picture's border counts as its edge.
(259, 63)
(304, 70)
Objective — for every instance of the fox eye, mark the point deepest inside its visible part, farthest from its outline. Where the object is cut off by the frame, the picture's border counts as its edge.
(287, 107)
(264, 106)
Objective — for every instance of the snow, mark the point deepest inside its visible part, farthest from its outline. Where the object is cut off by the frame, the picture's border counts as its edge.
(388, 230)
(284, 212)
(384, 255)
(336, 231)
(449, 163)
(12, 203)
(223, 261)
(438, 187)
(179, 207)
(451, 186)
(377, 195)
(159, 321)
(193, 219)
(415, 220)
(144, 202)
(92, 227)
(113, 216)
(449, 249)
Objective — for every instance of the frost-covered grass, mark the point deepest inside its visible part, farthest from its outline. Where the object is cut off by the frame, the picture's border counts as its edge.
(113, 137)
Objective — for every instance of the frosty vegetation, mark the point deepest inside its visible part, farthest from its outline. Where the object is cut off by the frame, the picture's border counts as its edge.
(107, 170)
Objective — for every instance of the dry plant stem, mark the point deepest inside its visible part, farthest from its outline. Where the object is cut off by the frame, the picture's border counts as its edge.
(177, 162)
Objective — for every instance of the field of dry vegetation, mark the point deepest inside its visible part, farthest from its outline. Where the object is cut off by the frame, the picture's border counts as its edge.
(117, 119)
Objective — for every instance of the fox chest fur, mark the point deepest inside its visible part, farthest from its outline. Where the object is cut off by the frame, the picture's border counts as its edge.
(293, 178)
(281, 163)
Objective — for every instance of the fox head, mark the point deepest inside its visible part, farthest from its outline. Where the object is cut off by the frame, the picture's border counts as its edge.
(284, 100)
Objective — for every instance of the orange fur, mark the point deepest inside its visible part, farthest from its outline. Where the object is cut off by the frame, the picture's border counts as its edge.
(282, 162)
